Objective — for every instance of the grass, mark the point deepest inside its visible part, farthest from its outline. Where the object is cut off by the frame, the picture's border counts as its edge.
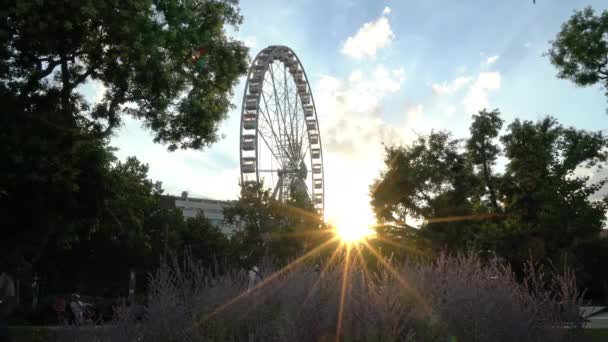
(45, 334)
(33, 334)
(596, 335)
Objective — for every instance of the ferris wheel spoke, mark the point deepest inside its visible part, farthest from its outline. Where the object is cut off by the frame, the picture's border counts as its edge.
(285, 92)
(287, 106)
(281, 113)
(294, 119)
(303, 132)
(270, 148)
(293, 110)
(267, 116)
(304, 153)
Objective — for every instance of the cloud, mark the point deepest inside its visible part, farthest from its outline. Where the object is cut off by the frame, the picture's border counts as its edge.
(100, 92)
(492, 59)
(353, 131)
(361, 93)
(386, 11)
(414, 113)
(449, 88)
(477, 96)
(371, 37)
(450, 110)
(461, 69)
(527, 44)
(181, 170)
(250, 41)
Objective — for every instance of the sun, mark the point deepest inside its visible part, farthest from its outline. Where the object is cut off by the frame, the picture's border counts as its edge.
(352, 228)
(352, 233)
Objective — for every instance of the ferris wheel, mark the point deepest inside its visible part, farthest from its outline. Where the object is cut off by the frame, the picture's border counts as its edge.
(280, 142)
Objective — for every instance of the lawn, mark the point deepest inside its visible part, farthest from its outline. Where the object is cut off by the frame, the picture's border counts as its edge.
(45, 334)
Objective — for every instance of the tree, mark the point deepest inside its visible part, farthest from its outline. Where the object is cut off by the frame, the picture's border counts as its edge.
(205, 242)
(544, 195)
(431, 180)
(134, 230)
(483, 150)
(139, 50)
(580, 50)
(98, 251)
(273, 229)
(540, 207)
(56, 170)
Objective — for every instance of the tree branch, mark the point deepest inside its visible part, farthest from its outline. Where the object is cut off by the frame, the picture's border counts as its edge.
(83, 77)
(44, 73)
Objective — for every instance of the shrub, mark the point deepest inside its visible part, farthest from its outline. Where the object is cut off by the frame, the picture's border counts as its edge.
(454, 297)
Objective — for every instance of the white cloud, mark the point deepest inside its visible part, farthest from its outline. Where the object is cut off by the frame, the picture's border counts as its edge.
(250, 41)
(361, 93)
(417, 123)
(449, 88)
(477, 97)
(414, 113)
(492, 59)
(100, 91)
(353, 130)
(527, 44)
(181, 170)
(386, 11)
(450, 110)
(461, 69)
(371, 37)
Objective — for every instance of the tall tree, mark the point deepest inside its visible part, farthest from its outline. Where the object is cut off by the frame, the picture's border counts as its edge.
(430, 180)
(548, 208)
(483, 149)
(140, 51)
(97, 251)
(580, 50)
(544, 194)
(270, 228)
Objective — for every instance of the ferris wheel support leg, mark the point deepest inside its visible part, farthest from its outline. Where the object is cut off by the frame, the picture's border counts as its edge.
(278, 187)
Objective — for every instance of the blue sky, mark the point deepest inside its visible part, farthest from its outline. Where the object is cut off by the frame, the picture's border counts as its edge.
(382, 71)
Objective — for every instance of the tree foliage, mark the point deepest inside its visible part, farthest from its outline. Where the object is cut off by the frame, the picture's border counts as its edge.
(541, 206)
(132, 231)
(580, 50)
(270, 228)
(60, 184)
(138, 50)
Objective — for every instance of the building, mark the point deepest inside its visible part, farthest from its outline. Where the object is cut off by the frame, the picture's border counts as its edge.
(212, 210)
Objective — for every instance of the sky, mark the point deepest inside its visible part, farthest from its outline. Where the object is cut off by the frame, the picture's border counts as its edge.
(382, 72)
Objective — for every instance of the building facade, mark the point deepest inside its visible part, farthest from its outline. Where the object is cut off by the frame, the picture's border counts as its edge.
(212, 210)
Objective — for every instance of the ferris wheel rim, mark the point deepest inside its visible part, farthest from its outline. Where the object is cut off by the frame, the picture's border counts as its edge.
(258, 70)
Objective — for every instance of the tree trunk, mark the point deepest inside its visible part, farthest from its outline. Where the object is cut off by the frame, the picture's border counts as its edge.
(65, 92)
(488, 180)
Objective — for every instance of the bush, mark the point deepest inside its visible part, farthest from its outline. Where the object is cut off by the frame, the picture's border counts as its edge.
(453, 297)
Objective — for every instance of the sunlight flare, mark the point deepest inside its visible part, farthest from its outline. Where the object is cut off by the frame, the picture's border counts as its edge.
(405, 285)
(268, 279)
(343, 294)
(352, 227)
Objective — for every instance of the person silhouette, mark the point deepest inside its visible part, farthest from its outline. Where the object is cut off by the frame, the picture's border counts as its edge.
(8, 303)
(254, 277)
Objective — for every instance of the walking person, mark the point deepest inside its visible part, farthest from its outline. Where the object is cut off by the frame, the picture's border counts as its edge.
(77, 309)
(8, 303)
